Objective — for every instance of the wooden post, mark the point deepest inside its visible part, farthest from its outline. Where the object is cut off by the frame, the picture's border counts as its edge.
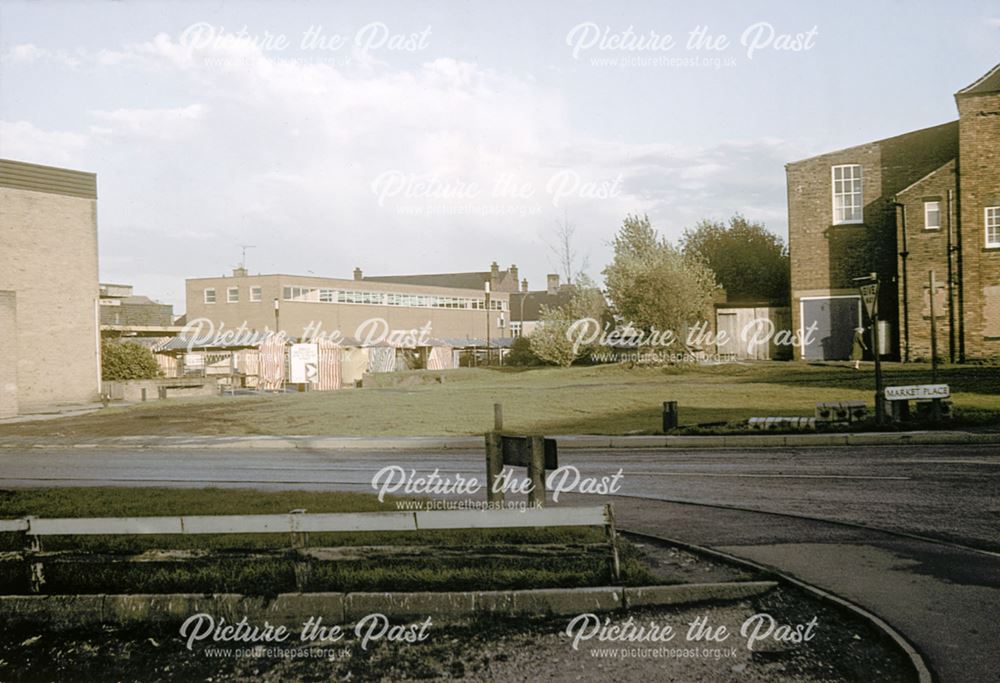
(498, 417)
(669, 416)
(494, 465)
(536, 472)
(612, 534)
(34, 563)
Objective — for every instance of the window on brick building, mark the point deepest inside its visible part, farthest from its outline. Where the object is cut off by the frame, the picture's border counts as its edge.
(233, 295)
(255, 294)
(209, 296)
(992, 222)
(847, 196)
(932, 215)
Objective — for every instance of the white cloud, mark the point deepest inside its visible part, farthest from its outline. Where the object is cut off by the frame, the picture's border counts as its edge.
(28, 53)
(24, 141)
(167, 124)
(282, 153)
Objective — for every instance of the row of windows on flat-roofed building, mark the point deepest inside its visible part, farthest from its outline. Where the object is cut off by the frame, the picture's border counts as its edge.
(341, 296)
(848, 204)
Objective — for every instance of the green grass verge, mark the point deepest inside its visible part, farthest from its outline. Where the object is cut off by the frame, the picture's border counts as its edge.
(609, 399)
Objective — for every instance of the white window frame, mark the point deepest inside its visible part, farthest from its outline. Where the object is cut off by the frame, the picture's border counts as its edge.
(209, 296)
(991, 222)
(256, 294)
(927, 205)
(860, 206)
(232, 295)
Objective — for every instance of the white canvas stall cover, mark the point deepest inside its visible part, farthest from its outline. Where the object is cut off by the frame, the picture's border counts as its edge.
(439, 358)
(330, 356)
(272, 363)
(248, 362)
(381, 359)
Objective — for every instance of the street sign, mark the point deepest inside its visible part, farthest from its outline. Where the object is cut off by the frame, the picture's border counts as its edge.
(869, 294)
(917, 392)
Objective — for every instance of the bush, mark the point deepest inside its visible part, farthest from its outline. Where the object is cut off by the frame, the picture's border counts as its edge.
(121, 361)
(521, 353)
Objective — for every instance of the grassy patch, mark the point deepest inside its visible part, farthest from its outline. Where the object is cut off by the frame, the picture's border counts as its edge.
(478, 559)
(609, 399)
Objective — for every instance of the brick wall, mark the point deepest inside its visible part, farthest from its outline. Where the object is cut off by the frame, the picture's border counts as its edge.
(825, 257)
(979, 187)
(49, 259)
(927, 250)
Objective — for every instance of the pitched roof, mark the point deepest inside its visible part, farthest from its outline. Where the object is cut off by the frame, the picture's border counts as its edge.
(455, 280)
(990, 82)
(533, 302)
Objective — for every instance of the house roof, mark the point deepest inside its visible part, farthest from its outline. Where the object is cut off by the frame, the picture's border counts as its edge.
(950, 164)
(940, 132)
(533, 302)
(989, 82)
(453, 280)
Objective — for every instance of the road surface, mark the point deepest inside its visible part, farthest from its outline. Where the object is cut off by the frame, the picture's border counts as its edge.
(792, 509)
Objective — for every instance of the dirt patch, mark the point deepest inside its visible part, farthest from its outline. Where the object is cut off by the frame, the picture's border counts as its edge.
(842, 649)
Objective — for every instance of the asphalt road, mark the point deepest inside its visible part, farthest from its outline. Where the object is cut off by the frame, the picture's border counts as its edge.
(942, 597)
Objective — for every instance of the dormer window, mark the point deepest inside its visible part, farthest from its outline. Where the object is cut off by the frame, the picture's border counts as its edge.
(847, 196)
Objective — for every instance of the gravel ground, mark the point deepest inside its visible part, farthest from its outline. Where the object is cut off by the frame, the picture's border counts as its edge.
(843, 648)
(525, 650)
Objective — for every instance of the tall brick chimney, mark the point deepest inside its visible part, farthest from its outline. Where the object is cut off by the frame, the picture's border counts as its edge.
(358, 275)
(524, 285)
(552, 281)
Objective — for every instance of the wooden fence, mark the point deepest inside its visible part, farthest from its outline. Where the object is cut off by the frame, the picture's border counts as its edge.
(299, 525)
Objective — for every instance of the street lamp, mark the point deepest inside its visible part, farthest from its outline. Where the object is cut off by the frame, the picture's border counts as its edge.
(486, 285)
(868, 287)
(277, 312)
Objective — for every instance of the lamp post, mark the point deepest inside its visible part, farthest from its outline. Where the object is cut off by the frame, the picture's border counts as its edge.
(868, 286)
(487, 288)
(277, 313)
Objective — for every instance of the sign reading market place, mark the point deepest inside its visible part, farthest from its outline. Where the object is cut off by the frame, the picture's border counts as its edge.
(917, 392)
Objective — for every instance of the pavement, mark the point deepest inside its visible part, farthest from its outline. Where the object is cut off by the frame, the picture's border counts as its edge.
(908, 532)
(438, 443)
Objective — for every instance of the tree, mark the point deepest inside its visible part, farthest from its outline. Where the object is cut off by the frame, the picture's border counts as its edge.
(550, 340)
(521, 353)
(569, 263)
(749, 261)
(651, 283)
(122, 361)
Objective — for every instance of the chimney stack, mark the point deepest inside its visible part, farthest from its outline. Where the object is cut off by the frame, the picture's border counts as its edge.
(358, 274)
(524, 285)
(513, 273)
(239, 271)
(553, 283)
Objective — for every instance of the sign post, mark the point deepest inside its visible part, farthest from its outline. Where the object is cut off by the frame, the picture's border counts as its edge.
(869, 295)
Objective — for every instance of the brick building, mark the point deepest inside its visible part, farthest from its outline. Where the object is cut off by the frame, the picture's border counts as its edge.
(452, 304)
(124, 311)
(923, 201)
(49, 352)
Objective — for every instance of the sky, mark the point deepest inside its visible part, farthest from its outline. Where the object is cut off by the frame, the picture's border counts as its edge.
(406, 137)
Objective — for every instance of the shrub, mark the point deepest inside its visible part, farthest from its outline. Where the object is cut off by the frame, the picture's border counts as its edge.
(126, 360)
(521, 353)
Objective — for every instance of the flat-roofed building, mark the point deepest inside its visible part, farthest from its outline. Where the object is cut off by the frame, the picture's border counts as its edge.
(49, 342)
(307, 306)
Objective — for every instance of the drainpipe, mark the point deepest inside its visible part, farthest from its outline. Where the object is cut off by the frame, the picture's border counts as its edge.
(951, 287)
(959, 262)
(901, 208)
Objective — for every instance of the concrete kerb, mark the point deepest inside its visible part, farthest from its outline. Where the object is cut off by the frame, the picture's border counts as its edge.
(566, 442)
(60, 612)
(920, 668)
